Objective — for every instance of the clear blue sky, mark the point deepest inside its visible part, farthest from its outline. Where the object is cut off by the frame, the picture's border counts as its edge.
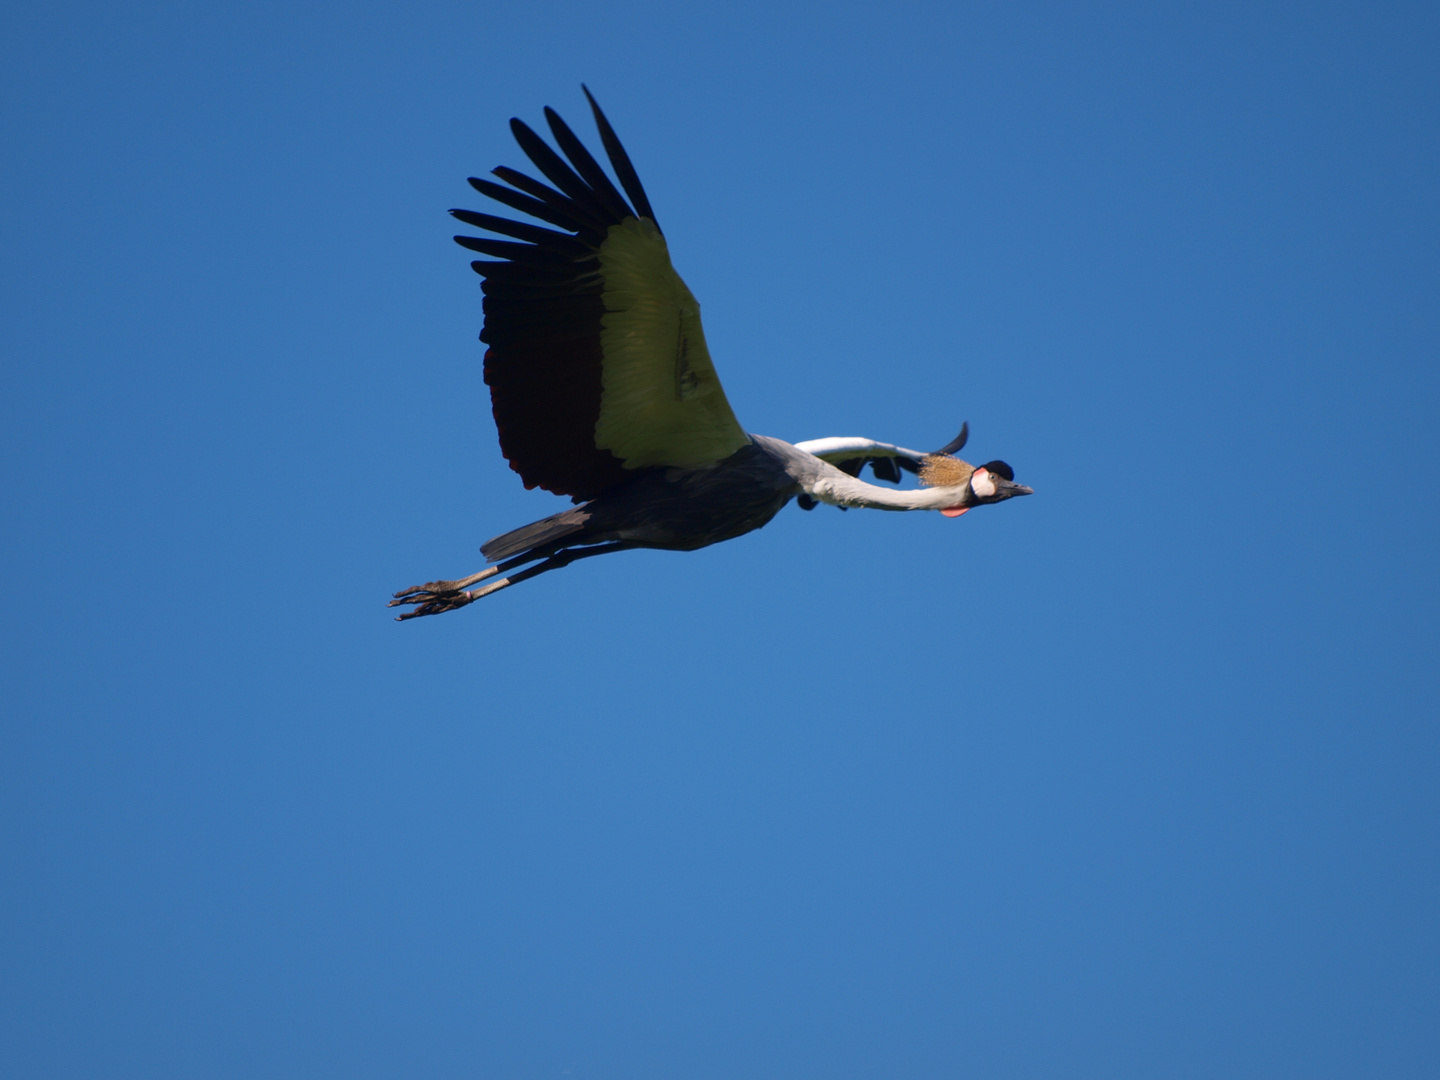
(1133, 778)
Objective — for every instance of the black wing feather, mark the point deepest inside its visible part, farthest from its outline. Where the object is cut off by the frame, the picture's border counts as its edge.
(527, 204)
(561, 204)
(588, 168)
(955, 445)
(885, 469)
(620, 161)
(543, 305)
(556, 170)
(520, 230)
(531, 255)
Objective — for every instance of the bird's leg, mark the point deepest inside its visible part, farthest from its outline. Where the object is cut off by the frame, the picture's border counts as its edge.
(563, 557)
(435, 597)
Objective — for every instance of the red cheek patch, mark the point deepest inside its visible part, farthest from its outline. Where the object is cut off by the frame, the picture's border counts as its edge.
(954, 511)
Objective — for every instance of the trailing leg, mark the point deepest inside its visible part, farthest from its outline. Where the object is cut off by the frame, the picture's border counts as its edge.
(435, 597)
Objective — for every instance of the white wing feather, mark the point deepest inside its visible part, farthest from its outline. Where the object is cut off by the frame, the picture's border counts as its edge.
(844, 448)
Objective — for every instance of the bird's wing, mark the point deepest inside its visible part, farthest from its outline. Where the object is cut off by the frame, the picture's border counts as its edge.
(886, 460)
(851, 455)
(597, 363)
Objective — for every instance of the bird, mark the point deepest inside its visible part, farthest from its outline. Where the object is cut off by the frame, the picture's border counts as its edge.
(603, 389)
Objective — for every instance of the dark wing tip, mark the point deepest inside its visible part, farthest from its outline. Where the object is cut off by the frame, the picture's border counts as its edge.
(620, 161)
(955, 445)
(585, 164)
(887, 469)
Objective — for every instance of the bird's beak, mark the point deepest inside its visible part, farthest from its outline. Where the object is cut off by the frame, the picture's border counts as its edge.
(1009, 489)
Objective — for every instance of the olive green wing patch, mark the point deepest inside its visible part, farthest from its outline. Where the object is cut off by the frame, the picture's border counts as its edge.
(661, 403)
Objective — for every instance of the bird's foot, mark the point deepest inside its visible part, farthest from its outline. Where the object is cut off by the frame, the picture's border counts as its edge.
(435, 597)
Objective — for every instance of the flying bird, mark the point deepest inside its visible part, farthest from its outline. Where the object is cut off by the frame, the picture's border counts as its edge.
(603, 389)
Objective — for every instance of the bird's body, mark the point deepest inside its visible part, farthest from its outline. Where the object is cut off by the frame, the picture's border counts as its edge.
(603, 389)
(673, 508)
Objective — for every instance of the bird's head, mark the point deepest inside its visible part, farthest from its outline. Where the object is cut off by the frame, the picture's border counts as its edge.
(995, 482)
(992, 482)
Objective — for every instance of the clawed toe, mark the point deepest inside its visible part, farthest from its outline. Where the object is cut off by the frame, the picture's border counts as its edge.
(430, 588)
(429, 602)
(435, 597)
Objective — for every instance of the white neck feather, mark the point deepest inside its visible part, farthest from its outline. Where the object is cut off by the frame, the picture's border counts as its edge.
(840, 489)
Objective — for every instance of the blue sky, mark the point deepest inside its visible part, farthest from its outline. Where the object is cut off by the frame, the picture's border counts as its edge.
(1133, 778)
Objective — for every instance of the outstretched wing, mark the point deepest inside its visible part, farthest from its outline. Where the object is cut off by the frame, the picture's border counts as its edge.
(597, 363)
(851, 455)
(886, 460)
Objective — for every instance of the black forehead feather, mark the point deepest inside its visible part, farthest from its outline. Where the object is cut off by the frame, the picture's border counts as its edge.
(999, 468)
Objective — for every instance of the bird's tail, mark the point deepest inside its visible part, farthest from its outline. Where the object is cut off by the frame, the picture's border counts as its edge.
(545, 540)
(536, 535)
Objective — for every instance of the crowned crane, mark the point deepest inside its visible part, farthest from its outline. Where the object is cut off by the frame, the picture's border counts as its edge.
(603, 389)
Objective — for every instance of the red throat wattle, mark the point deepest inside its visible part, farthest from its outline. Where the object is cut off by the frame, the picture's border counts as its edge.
(954, 511)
